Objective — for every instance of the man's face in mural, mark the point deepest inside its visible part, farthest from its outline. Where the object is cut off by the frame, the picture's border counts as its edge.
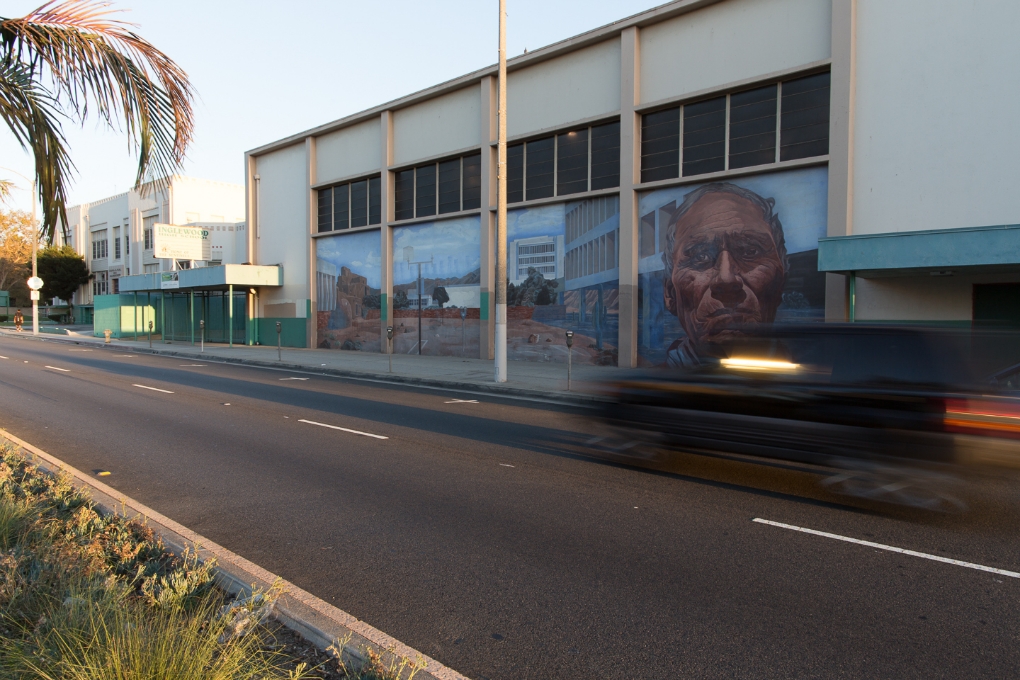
(726, 271)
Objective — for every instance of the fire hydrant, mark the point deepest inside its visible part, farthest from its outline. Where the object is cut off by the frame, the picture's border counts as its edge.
(107, 333)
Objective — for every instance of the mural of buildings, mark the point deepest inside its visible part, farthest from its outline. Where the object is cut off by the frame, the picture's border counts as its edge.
(436, 287)
(348, 296)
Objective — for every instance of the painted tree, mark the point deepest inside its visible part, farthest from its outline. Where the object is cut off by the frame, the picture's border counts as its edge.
(63, 271)
(440, 296)
(66, 60)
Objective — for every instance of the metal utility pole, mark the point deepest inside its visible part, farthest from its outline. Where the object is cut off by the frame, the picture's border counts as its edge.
(35, 263)
(500, 338)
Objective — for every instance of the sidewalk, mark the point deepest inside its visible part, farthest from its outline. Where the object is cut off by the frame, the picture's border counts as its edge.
(525, 379)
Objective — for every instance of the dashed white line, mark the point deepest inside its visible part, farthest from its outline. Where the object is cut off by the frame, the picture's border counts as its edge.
(344, 429)
(2, 357)
(192, 364)
(890, 548)
(293, 378)
(461, 401)
(65, 370)
(154, 389)
(505, 465)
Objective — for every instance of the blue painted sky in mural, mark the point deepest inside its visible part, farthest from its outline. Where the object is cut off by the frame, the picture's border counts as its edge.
(358, 252)
(801, 202)
(454, 246)
(543, 220)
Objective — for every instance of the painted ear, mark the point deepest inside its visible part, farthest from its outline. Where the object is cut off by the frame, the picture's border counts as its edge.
(669, 295)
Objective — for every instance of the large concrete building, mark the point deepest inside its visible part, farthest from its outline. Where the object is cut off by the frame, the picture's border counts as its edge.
(114, 234)
(704, 163)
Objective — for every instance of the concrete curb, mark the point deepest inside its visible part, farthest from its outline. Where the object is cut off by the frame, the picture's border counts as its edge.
(565, 398)
(316, 620)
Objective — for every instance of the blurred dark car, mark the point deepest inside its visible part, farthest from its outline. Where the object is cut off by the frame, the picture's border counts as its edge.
(882, 404)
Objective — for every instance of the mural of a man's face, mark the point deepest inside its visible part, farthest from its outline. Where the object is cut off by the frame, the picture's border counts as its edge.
(727, 270)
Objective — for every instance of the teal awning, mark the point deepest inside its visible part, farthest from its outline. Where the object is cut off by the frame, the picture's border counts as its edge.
(207, 278)
(906, 252)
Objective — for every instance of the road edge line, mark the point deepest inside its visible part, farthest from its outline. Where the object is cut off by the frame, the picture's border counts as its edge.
(315, 619)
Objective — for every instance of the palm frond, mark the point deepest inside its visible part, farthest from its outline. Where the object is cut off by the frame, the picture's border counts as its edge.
(99, 65)
(6, 186)
(32, 115)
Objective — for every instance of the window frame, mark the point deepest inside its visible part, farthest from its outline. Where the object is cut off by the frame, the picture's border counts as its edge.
(370, 180)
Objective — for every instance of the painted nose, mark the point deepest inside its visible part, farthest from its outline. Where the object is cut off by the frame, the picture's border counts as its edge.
(727, 288)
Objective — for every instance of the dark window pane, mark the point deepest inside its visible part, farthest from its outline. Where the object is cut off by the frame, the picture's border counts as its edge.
(539, 173)
(572, 162)
(325, 213)
(705, 136)
(472, 182)
(374, 189)
(753, 127)
(359, 203)
(425, 190)
(403, 199)
(660, 145)
(341, 201)
(449, 186)
(804, 124)
(605, 156)
(515, 173)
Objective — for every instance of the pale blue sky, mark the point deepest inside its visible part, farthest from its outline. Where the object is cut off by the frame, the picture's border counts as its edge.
(264, 70)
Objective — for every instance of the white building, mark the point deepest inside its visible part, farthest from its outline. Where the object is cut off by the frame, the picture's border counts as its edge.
(115, 234)
(876, 138)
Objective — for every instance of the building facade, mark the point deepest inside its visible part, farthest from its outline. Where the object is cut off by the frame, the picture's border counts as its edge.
(702, 164)
(114, 234)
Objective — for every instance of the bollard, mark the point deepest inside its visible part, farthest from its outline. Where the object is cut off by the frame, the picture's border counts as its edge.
(108, 333)
(279, 351)
(201, 327)
(389, 345)
(150, 333)
(570, 343)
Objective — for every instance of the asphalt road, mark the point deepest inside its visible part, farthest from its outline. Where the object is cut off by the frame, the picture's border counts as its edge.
(485, 536)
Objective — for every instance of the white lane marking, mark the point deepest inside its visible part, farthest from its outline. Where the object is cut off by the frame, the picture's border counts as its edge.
(65, 370)
(192, 364)
(79, 350)
(461, 401)
(343, 429)
(3, 357)
(890, 548)
(293, 378)
(506, 465)
(123, 355)
(154, 389)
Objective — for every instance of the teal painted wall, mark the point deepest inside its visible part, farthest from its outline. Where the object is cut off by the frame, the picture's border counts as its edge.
(293, 332)
(119, 314)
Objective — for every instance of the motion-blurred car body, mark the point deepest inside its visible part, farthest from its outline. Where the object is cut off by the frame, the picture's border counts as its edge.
(882, 402)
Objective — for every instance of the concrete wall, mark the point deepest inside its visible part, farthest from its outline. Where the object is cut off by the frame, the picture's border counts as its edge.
(578, 85)
(283, 231)
(351, 151)
(731, 41)
(436, 126)
(936, 102)
(921, 298)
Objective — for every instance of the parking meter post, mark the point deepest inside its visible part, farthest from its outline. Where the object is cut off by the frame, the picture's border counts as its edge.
(389, 345)
(279, 350)
(570, 343)
(150, 333)
(201, 325)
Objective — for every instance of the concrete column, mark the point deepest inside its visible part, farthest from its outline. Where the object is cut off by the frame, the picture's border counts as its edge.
(630, 148)
(841, 146)
(312, 220)
(488, 219)
(386, 205)
(251, 207)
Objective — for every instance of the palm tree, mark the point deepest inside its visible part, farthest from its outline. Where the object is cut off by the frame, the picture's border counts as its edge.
(69, 59)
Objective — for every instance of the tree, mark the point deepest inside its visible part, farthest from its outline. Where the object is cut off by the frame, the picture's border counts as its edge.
(63, 271)
(440, 296)
(68, 59)
(15, 248)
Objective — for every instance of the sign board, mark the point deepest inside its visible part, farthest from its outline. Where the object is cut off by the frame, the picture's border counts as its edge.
(34, 295)
(172, 242)
(35, 283)
(169, 280)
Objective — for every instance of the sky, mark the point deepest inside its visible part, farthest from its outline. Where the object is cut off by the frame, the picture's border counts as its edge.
(265, 70)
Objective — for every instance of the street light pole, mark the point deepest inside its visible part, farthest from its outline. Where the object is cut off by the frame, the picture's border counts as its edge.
(35, 263)
(500, 338)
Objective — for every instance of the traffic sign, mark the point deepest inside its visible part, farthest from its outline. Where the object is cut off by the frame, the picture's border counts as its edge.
(35, 283)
